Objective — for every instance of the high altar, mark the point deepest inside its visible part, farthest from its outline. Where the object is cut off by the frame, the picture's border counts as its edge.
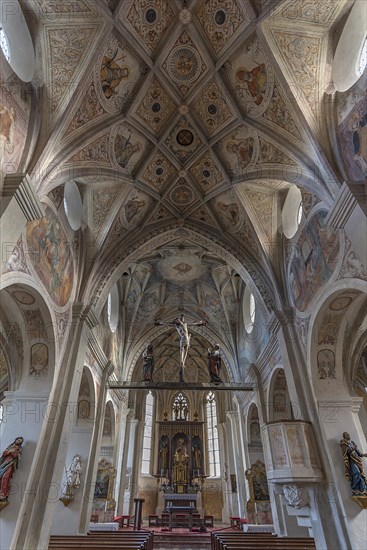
(180, 464)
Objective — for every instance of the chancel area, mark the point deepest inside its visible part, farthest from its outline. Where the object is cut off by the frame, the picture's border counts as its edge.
(183, 330)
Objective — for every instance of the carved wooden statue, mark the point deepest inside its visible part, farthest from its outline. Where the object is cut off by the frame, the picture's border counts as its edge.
(8, 465)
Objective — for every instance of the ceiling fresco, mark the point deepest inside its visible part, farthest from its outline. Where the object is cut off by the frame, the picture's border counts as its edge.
(184, 113)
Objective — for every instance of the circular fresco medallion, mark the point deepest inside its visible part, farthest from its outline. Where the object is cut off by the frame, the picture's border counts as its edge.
(184, 64)
(151, 16)
(220, 17)
(181, 195)
(185, 138)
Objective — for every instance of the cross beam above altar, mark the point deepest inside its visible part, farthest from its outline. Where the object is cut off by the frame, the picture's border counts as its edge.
(192, 386)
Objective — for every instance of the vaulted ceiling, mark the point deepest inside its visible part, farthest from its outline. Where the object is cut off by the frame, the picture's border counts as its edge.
(179, 113)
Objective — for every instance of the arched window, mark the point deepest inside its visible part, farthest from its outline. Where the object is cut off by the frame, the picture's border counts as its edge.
(249, 310)
(16, 42)
(73, 205)
(147, 441)
(292, 212)
(180, 407)
(351, 52)
(213, 444)
(362, 61)
(4, 44)
(113, 308)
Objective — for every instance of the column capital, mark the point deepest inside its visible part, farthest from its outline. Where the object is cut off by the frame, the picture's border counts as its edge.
(108, 368)
(285, 316)
(232, 415)
(99, 355)
(342, 208)
(85, 313)
(20, 187)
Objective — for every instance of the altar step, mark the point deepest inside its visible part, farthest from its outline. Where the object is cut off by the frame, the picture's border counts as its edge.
(181, 541)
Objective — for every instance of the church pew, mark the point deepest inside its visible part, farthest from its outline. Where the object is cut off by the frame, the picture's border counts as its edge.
(105, 541)
(238, 544)
(217, 544)
(127, 535)
(129, 540)
(98, 545)
(263, 541)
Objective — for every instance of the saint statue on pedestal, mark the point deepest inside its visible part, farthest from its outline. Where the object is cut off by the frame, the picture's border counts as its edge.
(8, 464)
(354, 472)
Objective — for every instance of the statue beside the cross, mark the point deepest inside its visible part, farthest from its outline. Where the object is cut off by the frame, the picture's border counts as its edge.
(182, 328)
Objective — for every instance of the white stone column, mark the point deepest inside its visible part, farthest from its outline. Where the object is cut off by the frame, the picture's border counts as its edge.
(226, 466)
(23, 417)
(92, 465)
(120, 456)
(238, 456)
(37, 509)
(127, 489)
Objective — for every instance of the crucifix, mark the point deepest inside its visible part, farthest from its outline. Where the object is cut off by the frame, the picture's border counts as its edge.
(182, 328)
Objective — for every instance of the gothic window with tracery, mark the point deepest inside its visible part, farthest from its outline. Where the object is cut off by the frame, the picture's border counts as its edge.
(213, 443)
(180, 407)
(147, 441)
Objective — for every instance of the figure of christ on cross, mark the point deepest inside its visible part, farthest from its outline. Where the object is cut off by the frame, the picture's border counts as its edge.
(182, 328)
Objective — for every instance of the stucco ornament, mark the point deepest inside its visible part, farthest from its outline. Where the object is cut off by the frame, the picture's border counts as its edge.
(295, 496)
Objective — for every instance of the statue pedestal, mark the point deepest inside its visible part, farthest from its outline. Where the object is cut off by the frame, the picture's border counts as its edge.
(361, 499)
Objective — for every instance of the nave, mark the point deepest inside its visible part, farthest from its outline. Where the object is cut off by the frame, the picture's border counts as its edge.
(183, 321)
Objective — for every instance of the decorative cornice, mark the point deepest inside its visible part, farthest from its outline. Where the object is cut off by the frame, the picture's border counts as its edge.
(20, 187)
(353, 403)
(98, 354)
